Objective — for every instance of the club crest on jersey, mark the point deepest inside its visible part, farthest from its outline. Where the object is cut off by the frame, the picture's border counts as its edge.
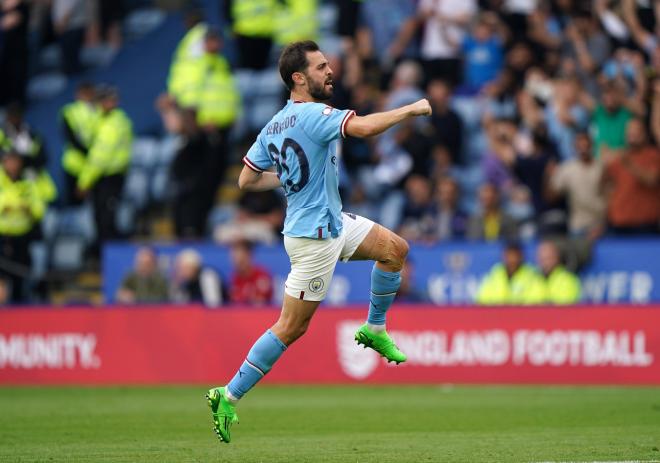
(327, 110)
(316, 285)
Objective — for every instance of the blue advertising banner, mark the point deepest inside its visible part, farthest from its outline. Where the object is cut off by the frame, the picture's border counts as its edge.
(621, 271)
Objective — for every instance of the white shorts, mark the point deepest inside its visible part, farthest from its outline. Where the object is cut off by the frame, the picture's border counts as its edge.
(313, 260)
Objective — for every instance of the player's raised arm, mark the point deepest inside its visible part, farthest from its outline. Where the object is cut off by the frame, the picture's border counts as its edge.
(251, 180)
(373, 124)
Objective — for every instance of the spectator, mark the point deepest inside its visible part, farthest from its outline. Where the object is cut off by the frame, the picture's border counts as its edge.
(609, 120)
(194, 283)
(70, 21)
(580, 180)
(633, 180)
(587, 48)
(79, 122)
(418, 211)
(445, 26)
(259, 218)
(14, 56)
(191, 197)
(483, 52)
(533, 161)
(296, 20)
(491, 223)
(512, 281)
(103, 174)
(250, 284)
(21, 208)
(144, 284)
(450, 222)
(560, 286)
(387, 31)
(447, 124)
(111, 14)
(565, 115)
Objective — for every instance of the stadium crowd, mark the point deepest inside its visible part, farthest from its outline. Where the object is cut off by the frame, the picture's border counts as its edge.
(545, 125)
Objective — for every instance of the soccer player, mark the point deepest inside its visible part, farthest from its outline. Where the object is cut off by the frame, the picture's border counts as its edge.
(299, 143)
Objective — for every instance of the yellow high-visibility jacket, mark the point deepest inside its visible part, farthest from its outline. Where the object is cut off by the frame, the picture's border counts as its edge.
(21, 205)
(524, 287)
(110, 152)
(253, 18)
(82, 119)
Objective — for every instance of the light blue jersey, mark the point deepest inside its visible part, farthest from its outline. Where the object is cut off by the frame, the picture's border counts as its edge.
(299, 141)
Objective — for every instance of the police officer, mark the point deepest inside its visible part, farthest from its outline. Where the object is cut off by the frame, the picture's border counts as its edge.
(560, 286)
(252, 23)
(79, 121)
(190, 48)
(108, 158)
(296, 20)
(21, 208)
(18, 136)
(512, 281)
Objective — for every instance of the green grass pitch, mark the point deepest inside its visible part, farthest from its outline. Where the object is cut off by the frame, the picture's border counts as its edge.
(333, 424)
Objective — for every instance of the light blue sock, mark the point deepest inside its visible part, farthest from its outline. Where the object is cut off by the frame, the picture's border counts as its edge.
(261, 358)
(384, 286)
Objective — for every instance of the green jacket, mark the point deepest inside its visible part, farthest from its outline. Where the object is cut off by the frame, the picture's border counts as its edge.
(524, 287)
(561, 287)
(21, 205)
(110, 152)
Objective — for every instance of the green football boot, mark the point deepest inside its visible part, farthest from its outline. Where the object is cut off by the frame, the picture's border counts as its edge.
(224, 414)
(381, 343)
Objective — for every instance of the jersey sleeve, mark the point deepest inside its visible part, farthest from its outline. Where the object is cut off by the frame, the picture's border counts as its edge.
(324, 123)
(257, 157)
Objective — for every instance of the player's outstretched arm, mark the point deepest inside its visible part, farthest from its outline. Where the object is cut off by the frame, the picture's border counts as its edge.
(373, 124)
(250, 180)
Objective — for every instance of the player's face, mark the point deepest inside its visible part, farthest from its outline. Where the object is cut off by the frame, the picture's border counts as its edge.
(319, 76)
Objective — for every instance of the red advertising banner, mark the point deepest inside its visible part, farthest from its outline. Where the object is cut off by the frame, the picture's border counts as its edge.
(580, 345)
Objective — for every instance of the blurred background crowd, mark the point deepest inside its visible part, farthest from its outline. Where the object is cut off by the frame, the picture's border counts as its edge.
(545, 125)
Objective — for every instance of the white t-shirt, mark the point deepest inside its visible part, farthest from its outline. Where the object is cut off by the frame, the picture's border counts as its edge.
(442, 37)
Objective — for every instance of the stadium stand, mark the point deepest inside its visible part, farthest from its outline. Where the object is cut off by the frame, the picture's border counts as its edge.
(517, 86)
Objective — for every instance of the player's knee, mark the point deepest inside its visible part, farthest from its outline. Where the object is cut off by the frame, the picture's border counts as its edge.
(291, 330)
(399, 249)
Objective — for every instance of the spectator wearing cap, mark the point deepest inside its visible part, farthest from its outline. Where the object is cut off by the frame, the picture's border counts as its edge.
(512, 281)
(144, 284)
(102, 175)
(251, 284)
(633, 183)
(560, 286)
(195, 283)
(21, 208)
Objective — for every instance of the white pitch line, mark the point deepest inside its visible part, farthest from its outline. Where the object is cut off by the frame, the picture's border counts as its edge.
(624, 461)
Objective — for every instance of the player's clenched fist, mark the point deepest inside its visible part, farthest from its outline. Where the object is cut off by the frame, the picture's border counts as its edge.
(421, 108)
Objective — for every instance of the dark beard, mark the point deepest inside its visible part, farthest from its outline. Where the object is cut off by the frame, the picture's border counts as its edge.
(318, 92)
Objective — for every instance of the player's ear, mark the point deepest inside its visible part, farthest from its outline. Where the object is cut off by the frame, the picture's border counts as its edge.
(298, 78)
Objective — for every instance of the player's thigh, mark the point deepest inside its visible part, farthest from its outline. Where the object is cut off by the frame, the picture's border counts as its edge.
(356, 230)
(312, 266)
(381, 245)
